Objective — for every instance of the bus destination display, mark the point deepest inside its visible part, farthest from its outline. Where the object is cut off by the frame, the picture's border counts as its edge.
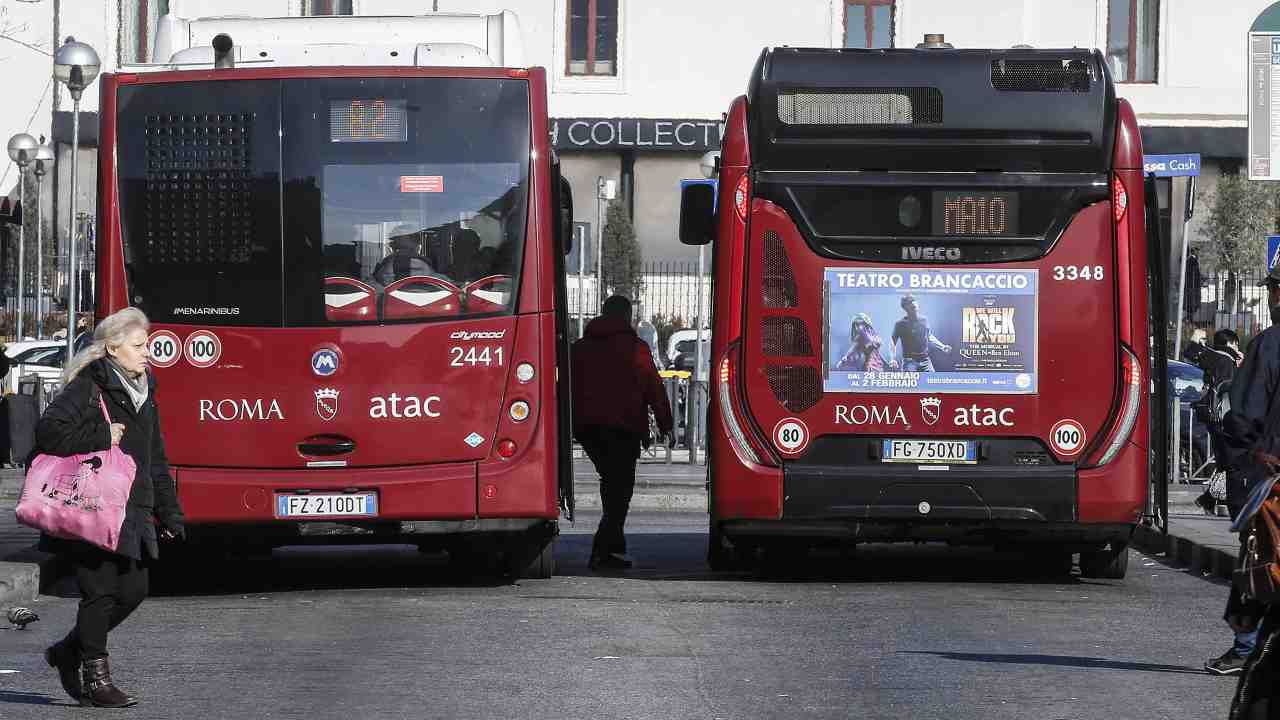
(368, 120)
(963, 213)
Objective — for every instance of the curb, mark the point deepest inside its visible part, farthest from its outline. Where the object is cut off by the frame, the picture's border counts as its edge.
(24, 574)
(1198, 558)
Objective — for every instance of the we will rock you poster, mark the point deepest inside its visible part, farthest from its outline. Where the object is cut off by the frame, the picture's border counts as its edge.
(899, 330)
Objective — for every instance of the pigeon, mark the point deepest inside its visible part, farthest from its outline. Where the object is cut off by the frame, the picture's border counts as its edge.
(22, 617)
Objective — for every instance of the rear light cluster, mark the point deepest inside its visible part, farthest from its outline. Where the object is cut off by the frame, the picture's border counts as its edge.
(747, 448)
(741, 195)
(1132, 374)
(1119, 199)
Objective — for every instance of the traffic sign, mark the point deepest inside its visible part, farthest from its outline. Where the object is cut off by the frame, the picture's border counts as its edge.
(1273, 250)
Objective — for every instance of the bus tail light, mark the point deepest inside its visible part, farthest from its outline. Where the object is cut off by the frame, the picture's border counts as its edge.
(1119, 198)
(1132, 374)
(519, 411)
(747, 450)
(506, 448)
(740, 197)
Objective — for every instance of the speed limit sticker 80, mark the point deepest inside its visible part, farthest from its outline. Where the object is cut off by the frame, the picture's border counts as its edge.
(1067, 437)
(164, 348)
(202, 349)
(791, 436)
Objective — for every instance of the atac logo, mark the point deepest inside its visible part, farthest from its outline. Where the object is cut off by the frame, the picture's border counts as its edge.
(324, 362)
(930, 410)
(327, 403)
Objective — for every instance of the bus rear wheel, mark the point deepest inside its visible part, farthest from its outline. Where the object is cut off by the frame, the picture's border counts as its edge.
(1109, 563)
(533, 560)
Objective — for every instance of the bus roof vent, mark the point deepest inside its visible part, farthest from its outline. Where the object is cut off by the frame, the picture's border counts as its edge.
(1040, 74)
(861, 106)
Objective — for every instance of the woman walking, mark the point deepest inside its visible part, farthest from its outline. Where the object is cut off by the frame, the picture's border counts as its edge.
(112, 584)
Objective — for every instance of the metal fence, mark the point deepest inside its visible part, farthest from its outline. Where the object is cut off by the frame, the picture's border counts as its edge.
(1214, 301)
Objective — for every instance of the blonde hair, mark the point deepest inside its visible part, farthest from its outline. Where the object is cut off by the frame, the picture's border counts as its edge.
(110, 332)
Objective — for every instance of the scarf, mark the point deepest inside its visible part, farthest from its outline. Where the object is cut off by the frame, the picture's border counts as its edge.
(136, 387)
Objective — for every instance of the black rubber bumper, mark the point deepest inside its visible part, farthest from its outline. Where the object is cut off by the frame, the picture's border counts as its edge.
(949, 493)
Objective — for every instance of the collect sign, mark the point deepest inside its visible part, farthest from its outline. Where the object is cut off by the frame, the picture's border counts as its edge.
(1171, 165)
(635, 133)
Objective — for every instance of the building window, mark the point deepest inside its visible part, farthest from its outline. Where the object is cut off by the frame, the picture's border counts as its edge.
(327, 7)
(1132, 34)
(593, 38)
(868, 23)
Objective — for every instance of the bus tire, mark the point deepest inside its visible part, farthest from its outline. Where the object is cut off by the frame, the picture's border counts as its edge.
(1105, 564)
(721, 555)
(535, 561)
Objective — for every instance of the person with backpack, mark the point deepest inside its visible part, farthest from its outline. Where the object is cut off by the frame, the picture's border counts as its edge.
(1219, 363)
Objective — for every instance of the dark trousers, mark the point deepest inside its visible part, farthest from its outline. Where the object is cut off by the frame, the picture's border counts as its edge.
(111, 587)
(614, 452)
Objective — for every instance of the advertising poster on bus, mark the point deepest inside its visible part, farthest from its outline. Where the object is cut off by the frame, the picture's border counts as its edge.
(895, 330)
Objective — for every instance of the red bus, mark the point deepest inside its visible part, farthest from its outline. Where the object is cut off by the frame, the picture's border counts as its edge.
(352, 256)
(930, 305)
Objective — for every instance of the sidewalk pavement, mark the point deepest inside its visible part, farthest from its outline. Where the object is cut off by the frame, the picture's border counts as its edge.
(22, 567)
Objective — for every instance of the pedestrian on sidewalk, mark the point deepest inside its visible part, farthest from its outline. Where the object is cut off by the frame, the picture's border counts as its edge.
(1219, 364)
(1245, 432)
(615, 385)
(112, 584)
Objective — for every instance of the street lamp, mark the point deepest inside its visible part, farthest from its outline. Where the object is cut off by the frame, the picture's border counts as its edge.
(44, 161)
(22, 150)
(75, 65)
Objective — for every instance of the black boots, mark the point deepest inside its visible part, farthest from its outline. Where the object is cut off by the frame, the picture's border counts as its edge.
(67, 662)
(99, 691)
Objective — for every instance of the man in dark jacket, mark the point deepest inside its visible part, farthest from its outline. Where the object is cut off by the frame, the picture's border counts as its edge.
(1248, 437)
(615, 384)
(1219, 364)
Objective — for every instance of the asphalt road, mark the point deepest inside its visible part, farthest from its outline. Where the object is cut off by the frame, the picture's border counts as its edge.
(897, 631)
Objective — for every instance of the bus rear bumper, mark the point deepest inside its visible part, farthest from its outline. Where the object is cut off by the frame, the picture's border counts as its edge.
(1073, 536)
(912, 494)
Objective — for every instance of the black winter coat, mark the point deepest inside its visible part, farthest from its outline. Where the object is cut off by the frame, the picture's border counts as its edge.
(73, 424)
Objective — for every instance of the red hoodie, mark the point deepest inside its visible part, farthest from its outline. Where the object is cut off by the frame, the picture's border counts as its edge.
(615, 381)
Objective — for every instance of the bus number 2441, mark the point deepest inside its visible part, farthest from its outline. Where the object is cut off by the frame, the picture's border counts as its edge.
(486, 356)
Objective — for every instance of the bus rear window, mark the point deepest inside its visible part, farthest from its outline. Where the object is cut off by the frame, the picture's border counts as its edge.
(324, 201)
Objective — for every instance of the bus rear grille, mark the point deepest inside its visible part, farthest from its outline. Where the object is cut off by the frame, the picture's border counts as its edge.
(1040, 75)
(199, 188)
(862, 106)
(786, 336)
(797, 387)
(778, 280)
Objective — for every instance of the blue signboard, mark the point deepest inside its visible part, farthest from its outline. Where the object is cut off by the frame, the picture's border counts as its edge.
(1172, 165)
(1273, 250)
(907, 330)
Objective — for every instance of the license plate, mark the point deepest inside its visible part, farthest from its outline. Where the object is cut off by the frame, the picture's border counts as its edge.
(930, 451)
(335, 505)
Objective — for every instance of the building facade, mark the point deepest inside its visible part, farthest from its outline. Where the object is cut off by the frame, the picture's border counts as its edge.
(638, 88)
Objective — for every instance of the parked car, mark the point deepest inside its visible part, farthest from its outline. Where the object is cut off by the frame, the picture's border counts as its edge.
(1186, 382)
(36, 357)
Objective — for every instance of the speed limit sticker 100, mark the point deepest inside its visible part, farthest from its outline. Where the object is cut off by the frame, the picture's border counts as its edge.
(1067, 437)
(791, 436)
(202, 349)
(164, 348)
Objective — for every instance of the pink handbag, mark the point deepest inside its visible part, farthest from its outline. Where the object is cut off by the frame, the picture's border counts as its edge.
(79, 497)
